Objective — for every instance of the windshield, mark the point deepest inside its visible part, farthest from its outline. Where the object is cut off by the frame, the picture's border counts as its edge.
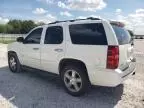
(122, 35)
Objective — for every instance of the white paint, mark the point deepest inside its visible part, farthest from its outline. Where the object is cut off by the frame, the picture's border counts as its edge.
(93, 56)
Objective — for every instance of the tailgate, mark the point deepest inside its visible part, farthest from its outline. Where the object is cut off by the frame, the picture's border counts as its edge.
(125, 47)
(125, 56)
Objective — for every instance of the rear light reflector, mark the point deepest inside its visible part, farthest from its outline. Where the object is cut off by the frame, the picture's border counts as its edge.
(112, 57)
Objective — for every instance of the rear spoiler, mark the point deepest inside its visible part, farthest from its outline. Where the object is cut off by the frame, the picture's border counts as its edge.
(117, 23)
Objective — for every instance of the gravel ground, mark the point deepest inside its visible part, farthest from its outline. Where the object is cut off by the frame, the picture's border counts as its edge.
(34, 89)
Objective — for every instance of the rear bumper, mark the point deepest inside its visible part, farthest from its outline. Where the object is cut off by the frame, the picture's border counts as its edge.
(112, 78)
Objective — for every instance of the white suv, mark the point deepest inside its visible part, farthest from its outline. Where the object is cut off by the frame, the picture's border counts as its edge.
(85, 51)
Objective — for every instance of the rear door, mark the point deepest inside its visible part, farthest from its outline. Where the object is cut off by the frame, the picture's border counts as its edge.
(88, 43)
(125, 47)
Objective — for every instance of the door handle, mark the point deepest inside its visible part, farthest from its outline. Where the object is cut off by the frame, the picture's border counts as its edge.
(35, 48)
(58, 50)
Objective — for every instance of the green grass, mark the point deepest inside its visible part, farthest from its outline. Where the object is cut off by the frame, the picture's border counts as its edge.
(7, 40)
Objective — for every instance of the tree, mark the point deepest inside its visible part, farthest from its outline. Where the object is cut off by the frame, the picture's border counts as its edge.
(9, 28)
(2, 28)
(40, 23)
(16, 24)
(26, 26)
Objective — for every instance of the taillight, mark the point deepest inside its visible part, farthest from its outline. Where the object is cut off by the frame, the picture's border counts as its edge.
(112, 57)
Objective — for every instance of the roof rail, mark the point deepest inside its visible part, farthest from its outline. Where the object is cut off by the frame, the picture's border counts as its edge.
(89, 18)
(61, 21)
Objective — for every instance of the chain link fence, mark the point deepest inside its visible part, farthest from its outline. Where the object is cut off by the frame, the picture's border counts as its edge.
(8, 38)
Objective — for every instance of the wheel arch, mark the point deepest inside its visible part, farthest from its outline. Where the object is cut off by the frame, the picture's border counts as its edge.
(14, 52)
(9, 52)
(71, 61)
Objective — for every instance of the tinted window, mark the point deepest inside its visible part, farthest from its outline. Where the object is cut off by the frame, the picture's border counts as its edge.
(54, 35)
(34, 37)
(88, 34)
(122, 35)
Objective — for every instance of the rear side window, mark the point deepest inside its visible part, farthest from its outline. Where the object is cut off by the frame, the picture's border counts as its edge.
(88, 34)
(122, 35)
(54, 35)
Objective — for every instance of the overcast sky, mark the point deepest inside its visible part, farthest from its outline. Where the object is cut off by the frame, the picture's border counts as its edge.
(130, 12)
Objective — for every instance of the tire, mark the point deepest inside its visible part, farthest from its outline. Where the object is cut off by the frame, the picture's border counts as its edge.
(80, 73)
(14, 68)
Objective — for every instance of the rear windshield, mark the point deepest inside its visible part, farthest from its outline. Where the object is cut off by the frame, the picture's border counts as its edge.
(88, 34)
(122, 35)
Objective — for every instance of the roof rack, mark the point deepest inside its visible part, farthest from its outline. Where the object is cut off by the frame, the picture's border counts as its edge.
(89, 18)
(61, 21)
(92, 18)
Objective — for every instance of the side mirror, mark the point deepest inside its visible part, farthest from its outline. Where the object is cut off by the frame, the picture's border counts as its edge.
(20, 39)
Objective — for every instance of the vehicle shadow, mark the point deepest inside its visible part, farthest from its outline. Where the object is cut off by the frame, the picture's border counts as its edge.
(36, 89)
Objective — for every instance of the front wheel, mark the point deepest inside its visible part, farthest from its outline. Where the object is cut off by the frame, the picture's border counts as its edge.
(75, 80)
(14, 64)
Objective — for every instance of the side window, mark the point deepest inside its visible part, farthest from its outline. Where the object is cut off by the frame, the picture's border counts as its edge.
(54, 35)
(34, 37)
(88, 34)
(122, 35)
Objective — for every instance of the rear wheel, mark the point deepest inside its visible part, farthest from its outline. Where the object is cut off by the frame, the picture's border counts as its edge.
(14, 64)
(74, 80)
